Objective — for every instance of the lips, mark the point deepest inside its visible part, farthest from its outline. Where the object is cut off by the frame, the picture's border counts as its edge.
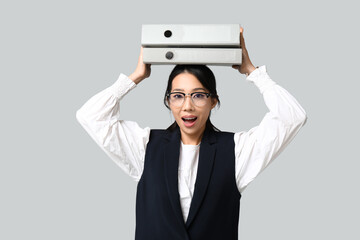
(189, 120)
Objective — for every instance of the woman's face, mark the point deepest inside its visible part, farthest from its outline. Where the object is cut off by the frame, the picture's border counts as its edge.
(191, 118)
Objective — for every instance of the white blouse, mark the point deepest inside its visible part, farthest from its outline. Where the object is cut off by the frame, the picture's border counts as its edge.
(188, 165)
(125, 142)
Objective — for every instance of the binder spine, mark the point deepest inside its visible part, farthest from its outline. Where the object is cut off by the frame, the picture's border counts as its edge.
(207, 56)
(191, 35)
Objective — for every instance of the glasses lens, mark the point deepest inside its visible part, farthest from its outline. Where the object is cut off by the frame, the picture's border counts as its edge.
(177, 99)
(199, 99)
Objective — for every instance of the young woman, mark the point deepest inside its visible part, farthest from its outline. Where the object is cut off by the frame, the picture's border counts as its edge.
(191, 175)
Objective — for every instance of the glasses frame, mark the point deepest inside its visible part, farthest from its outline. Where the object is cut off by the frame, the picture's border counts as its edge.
(188, 94)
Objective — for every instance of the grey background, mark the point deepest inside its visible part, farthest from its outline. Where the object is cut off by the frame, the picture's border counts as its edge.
(56, 183)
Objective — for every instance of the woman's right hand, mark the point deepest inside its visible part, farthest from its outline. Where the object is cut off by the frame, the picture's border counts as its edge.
(142, 70)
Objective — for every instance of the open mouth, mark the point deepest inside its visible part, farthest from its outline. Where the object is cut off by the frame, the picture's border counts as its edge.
(189, 122)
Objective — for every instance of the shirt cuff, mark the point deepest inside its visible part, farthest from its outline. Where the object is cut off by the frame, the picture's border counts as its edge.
(260, 78)
(122, 86)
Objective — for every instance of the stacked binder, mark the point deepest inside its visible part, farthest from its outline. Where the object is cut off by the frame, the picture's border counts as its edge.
(209, 44)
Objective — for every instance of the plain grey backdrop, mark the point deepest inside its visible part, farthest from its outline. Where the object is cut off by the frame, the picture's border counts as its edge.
(56, 183)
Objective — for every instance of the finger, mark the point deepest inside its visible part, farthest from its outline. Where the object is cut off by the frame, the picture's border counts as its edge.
(242, 41)
(141, 55)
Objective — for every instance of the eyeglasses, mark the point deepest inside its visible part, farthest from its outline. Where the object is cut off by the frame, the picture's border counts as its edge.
(177, 99)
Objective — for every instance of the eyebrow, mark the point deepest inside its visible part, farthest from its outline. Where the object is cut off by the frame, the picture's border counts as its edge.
(182, 90)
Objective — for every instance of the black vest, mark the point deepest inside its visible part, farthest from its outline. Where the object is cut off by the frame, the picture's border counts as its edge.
(214, 210)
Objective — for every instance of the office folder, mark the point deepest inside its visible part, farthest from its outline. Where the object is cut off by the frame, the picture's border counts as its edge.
(191, 35)
(210, 44)
(207, 56)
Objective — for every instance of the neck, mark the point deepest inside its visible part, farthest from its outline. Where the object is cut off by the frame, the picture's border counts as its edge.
(192, 139)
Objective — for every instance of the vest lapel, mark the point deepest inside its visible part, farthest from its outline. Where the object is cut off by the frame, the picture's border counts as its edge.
(205, 166)
(171, 165)
(206, 162)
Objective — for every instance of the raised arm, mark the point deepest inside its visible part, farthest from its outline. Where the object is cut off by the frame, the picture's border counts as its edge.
(256, 148)
(123, 141)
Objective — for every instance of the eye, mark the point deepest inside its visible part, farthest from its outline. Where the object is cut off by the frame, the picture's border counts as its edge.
(177, 96)
(199, 95)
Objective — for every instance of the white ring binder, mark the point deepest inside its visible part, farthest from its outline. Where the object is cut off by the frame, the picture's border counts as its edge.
(210, 44)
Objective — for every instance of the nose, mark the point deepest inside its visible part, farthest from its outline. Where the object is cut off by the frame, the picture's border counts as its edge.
(188, 104)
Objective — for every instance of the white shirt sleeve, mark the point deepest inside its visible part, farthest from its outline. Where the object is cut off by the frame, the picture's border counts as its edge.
(123, 141)
(256, 148)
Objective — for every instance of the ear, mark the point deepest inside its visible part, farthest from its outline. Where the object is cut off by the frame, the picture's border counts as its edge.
(214, 101)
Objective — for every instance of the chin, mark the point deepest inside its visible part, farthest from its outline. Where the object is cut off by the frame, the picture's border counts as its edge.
(190, 130)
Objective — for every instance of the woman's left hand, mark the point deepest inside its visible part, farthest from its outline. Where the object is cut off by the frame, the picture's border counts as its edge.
(246, 66)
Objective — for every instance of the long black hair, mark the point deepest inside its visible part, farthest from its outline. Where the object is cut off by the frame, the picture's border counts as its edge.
(206, 78)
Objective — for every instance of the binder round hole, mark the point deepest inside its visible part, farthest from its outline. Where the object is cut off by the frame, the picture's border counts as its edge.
(167, 33)
(169, 55)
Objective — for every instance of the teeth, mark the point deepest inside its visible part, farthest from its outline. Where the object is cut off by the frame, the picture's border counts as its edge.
(190, 118)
